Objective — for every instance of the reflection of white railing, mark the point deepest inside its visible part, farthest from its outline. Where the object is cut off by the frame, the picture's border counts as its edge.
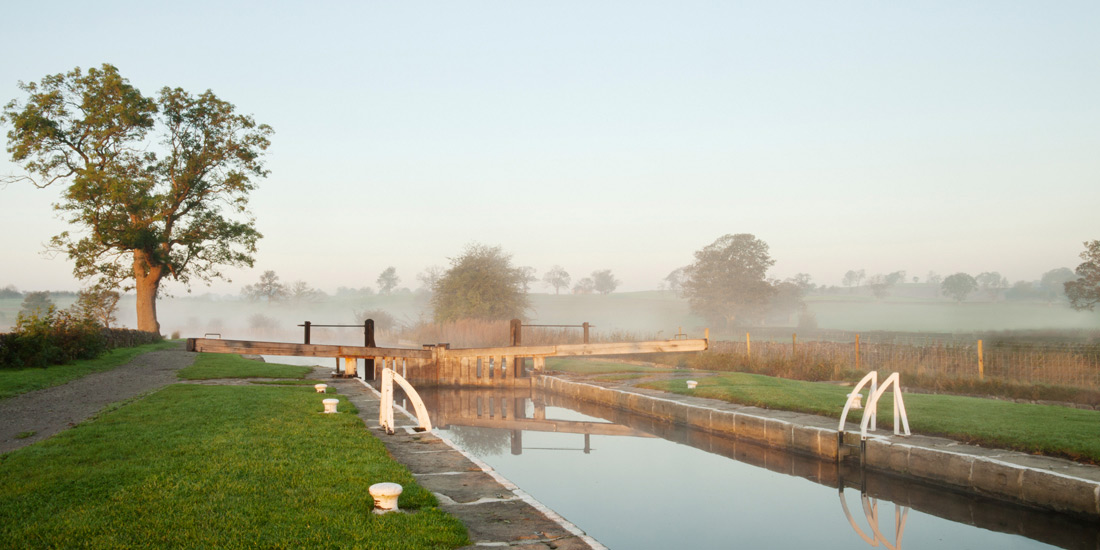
(870, 510)
(385, 412)
(870, 414)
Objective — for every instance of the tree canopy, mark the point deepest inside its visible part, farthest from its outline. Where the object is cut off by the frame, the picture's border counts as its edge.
(958, 286)
(1053, 282)
(98, 305)
(673, 282)
(480, 284)
(585, 285)
(388, 280)
(36, 303)
(991, 282)
(880, 284)
(727, 280)
(158, 186)
(267, 289)
(604, 281)
(1084, 292)
(557, 278)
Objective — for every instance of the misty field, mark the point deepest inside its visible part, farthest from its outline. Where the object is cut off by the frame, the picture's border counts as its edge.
(646, 314)
(920, 336)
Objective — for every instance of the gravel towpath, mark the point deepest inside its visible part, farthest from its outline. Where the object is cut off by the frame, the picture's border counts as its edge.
(48, 411)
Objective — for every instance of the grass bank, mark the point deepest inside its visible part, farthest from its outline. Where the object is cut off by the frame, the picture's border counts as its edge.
(210, 366)
(17, 381)
(214, 467)
(1044, 429)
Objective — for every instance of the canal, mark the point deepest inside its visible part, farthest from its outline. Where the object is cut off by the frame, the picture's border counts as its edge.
(633, 482)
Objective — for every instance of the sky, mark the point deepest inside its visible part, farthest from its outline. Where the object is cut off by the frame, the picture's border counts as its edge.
(884, 136)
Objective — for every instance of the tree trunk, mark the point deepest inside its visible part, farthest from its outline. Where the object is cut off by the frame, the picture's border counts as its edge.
(147, 281)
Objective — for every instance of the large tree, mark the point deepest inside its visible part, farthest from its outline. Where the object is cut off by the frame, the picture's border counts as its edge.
(429, 276)
(853, 277)
(881, 284)
(673, 282)
(98, 305)
(605, 282)
(1053, 282)
(158, 186)
(727, 280)
(268, 289)
(529, 276)
(958, 286)
(36, 303)
(557, 277)
(992, 282)
(388, 280)
(1084, 292)
(480, 284)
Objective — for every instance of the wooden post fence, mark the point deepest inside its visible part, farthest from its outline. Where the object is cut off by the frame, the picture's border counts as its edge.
(857, 353)
(981, 362)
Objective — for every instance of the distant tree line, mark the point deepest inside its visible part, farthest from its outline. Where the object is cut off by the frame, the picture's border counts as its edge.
(990, 285)
(727, 284)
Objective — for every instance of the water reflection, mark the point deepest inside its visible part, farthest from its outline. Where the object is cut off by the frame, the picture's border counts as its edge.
(634, 482)
(870, 511)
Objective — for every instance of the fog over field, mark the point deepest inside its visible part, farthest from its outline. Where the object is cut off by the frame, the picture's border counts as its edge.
(928, 139)
(638, 314)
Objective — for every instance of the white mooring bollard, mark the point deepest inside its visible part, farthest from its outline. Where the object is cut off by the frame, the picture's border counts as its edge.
(321, 388)
(855, 399)
(385, 497)
(692, 384)
(330, 405)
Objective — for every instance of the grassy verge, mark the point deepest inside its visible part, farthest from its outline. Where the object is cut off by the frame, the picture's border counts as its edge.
(1043, 429)
(208, 366)
(595, 366)
(214, 467)
(17, 381)
(821, 368)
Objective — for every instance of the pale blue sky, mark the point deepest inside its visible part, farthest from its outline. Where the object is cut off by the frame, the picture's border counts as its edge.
(922, 136)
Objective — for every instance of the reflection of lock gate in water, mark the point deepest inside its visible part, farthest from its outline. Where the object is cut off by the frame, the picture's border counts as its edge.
(507, 409)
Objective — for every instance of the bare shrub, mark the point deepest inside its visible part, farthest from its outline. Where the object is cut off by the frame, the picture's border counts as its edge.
(383, 320)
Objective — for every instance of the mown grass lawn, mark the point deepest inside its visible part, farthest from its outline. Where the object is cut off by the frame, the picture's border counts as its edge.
(595, 366)
(210, 366)
(17, 381)
(215, 467)
(1046, 429)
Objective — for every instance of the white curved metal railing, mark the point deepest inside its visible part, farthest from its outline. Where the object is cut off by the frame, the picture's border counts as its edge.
(870, 414)
(900, 418)
(872, 378)
(385, 411)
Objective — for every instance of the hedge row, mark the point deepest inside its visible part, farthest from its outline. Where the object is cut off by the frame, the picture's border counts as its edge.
(54, 338)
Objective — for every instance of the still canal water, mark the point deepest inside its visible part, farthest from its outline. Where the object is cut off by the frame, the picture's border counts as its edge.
(636, 483)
